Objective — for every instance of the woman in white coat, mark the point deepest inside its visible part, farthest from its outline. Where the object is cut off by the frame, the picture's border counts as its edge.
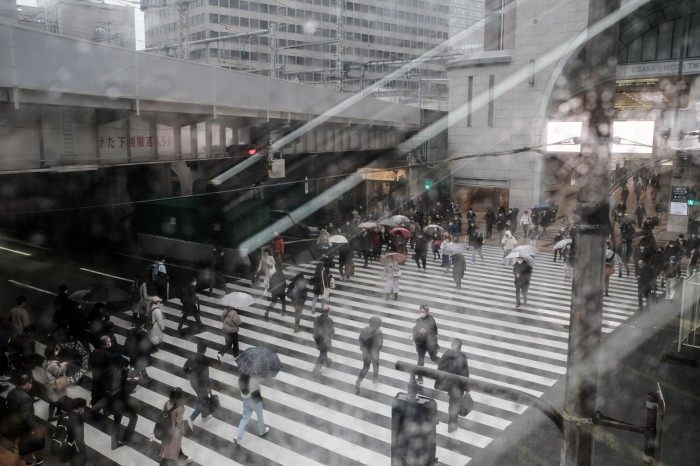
(156, 332)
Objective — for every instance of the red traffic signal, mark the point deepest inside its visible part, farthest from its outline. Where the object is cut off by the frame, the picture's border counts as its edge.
(252, 150)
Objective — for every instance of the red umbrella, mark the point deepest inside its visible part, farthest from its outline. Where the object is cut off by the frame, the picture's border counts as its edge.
(404, 232)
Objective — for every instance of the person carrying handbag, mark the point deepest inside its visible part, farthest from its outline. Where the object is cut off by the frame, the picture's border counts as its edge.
(252, 401)
(56, 380)
(455, 362)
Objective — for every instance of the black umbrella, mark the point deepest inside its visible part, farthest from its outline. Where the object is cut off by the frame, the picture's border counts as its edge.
(107, 294)
(259, 362)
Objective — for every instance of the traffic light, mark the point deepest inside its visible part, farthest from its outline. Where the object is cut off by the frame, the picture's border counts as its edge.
(692, 198)
(252, 150)
(427, 184)
(242, 150)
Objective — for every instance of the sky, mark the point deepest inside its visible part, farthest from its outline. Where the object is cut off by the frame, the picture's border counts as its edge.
(138, 17)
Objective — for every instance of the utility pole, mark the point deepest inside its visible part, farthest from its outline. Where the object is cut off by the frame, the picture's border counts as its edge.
(340, 47)
(273, 50)
(593, 169)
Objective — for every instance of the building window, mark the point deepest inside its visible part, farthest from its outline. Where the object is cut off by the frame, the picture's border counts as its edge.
(492, 82)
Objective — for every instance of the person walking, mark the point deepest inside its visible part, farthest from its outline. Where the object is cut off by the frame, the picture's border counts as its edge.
(459, 267)
(392, 276)
(522, 272)
(446, 259)
(508, 242)
(160, 278)
(371, 341)
(321, 282)
(277, 245)
(610, 258)
(425, 338)
(190, 305)
(278, 287)
(21, 422)
(156, 332)
(252, 402)
(119, 404)
(490, 219)
(640, 212)
(624, 252)
(297, 294)
(139, 298)
(171, 449)
(421, 248)
(216, 270)
(672, 272)
(567, 257)
(323, 336)
(230, 325)
(266, 268)
(197, 369)
(455, 362)
(76, 432)
(477, 244)
(18, 317)
(102, 365)
(646, 280)
(138, 346)
(525, 222)
(54, 369)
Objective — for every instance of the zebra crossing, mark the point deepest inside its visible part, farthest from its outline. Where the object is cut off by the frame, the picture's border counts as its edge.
(323, 422)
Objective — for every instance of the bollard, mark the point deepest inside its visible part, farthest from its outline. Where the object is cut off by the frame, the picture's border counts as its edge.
(651, 444)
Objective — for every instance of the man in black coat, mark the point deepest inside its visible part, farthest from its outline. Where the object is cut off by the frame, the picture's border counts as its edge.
(646, 281)
(190, 305)
(197, 368)
(277, 292)
(138, 347)
(521, 274)
(76, 431)
(323, 336)
(421, 248)
(425, 338)
(297, 294)
(490, 219)
(22, 423)
(371, 341)
(102, 365)
(454, 362)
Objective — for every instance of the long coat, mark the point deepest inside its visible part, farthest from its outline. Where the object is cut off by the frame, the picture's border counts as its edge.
(156, 332)
(521, 274)
(170, 450)
(454, 362)
(53, 370)
(428, 340)
(323, 332)
(458, 267)
(392, 273)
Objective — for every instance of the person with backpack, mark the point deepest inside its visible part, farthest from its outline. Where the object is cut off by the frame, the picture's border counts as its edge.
(277, 292)
(197, 369)
(155, 323)
(297, 294)
(323, 336)
(454, 362)
(171, 443)
(77, 456)
(190, 305)
(231, 325)
(371, 341)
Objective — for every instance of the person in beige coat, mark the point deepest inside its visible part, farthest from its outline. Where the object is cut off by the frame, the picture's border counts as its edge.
(18, 316)
(157, 330)
(171, 450)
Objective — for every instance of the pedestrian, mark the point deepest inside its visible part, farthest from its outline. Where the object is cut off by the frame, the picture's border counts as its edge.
(216, 269)
(76, 432)
(54, 369)
(137, 347)
(522, 271)
(171, 450)
(459, 266)
(323, 336)
(139, 298)
(297, 294)
(277, 245)
(252, 402)
(371, 341)
(624, 252)
(477, 244)
(230, 325)
(190, 305)
(346, 267)
(640, 212)
(96, 319)
(672, 271)
(624, 193)
(366, 246)
(102, 366)
(437, 242)
(446, 259)
(160, 278)
(278, 288)
(61, 305)
(490, 219)
(119, 403)
(421, 249)
(610, 258)
(508, 242)
(156, 332)
(453, 361)
(392, 276)
(18, 317)
(197, 369)
(266, 268)
(22, 424)
(567, 257)
(645, 283)
(526, 221)
(425, 338)
(321, 282)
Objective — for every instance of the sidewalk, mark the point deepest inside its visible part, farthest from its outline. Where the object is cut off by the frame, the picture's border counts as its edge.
(624, 382)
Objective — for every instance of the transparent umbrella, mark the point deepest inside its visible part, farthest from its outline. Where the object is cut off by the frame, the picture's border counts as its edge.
(513, 256)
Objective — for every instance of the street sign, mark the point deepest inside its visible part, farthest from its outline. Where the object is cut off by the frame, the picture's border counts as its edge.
(679, 200)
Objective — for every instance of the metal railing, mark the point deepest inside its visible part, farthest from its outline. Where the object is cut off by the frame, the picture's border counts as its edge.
(690, 313)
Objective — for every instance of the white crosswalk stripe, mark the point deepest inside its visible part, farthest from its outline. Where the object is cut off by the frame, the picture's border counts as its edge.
(317, 422)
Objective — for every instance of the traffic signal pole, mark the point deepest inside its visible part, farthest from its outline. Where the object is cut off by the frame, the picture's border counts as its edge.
(593, 209)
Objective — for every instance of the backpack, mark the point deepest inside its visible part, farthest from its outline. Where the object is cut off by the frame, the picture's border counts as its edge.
(163, 428)
(62, 445)
(366, 337)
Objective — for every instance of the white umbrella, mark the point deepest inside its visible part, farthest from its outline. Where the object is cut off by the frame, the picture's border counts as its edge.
(400, 219)
(431, 228)
(453, 248)
(562, 244)
(368, 225)
(237, 300)
(337, 239)
(528, 249)
(510, 258)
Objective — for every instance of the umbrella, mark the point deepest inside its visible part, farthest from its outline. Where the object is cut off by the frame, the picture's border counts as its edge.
(237, 300)
(432, 228)
(562, 244)
(393, 255)
(79, 349)
(107, 294)
(404, 232)
(451, 249)
(510, 258)
(400, 219)
(528, 249)
(338, 239)
(78, 295)
(368, 225)
(259, 362)
(388, 222)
